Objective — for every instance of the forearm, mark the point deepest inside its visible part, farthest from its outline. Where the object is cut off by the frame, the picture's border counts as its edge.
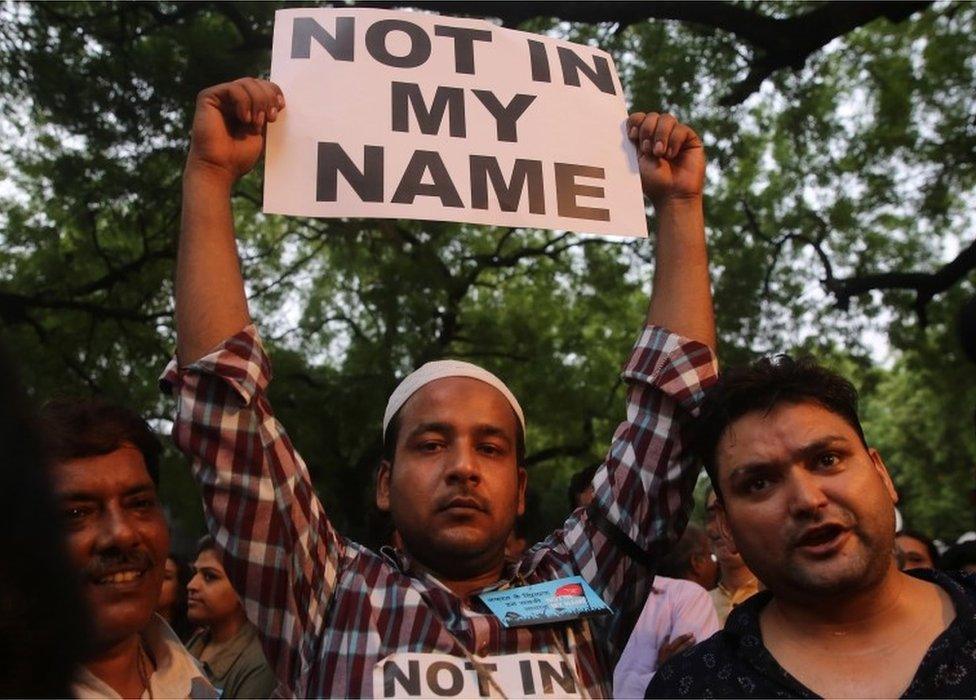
(261, 507)
(210, 301)
(681, 300)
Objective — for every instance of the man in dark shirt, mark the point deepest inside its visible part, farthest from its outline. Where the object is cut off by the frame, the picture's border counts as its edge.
(811, 509)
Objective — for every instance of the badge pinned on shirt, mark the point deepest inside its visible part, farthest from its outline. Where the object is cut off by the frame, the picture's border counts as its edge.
(569, 598)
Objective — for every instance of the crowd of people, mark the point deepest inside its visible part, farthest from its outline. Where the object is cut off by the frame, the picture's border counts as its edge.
(797, 584)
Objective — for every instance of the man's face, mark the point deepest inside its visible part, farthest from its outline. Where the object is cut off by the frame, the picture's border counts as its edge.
(809, 508)
(117, 538)
(455, 489)
(726, 556)
(705, 568)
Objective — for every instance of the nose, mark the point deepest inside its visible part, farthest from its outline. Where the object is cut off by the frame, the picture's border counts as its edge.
(806, 493)
(194, 584)
(463, 465)
(116, 529)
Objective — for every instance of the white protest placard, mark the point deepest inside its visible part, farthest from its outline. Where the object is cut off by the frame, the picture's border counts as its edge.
(528, 675)
(417, 116)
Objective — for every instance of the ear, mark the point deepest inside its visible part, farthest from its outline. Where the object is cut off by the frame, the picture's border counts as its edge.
(722, 520)
(882, 470)
(523, 480)
(383, 486)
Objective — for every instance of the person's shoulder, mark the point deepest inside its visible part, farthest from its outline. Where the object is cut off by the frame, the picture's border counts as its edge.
(681, 587)
(700, 670)
(680, 593)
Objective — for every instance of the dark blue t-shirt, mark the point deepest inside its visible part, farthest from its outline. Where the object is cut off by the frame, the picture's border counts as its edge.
(734, 663)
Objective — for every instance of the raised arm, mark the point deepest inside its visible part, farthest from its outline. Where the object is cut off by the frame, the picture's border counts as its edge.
(642, 493)
(279, 548)
(672, 168)
(227, 140)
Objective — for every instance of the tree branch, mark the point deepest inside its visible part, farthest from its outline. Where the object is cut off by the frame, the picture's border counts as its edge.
(777, 42)
(926, 285)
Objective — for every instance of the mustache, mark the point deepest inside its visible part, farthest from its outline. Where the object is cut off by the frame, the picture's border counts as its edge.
(465, 496)
(111, 562)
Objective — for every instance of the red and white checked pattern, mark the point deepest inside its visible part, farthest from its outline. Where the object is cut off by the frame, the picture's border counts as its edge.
(328, 608)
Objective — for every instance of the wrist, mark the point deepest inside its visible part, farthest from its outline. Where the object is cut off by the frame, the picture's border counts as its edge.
(678, 204)
(205, 173)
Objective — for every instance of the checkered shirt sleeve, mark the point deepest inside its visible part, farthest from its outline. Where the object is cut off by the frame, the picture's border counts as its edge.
(279, 548)
(284, 557)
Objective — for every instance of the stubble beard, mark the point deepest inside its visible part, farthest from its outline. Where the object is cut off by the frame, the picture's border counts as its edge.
(846, 573)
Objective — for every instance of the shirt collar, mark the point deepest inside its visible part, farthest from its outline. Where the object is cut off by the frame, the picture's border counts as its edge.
(743, 623)
(177, 674)
(405, 564)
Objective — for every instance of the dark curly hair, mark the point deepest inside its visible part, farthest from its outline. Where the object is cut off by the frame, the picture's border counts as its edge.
(762, 386)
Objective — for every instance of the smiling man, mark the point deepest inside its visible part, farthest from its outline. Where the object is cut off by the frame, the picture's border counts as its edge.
(104, 473)
(810, 507)
(339, 620)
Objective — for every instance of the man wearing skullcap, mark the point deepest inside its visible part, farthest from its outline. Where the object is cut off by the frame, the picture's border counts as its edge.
(338, 619)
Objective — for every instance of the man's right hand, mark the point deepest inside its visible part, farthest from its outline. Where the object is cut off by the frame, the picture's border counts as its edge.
(229, 124)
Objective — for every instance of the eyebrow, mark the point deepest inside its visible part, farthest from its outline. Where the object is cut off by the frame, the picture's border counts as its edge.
(432, 428)
(806, 451)
(147, 487)
(485, 429)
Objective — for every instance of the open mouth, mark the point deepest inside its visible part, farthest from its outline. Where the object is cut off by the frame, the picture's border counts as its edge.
(823, 538)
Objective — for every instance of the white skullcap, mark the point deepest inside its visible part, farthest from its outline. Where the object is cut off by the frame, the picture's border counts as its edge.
(439, 370)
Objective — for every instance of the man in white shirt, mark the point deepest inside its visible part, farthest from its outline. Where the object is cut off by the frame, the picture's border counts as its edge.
(104, 470)
(678, 614)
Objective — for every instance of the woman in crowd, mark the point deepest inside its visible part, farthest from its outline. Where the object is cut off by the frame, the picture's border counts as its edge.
(227, 644)
(172, 597)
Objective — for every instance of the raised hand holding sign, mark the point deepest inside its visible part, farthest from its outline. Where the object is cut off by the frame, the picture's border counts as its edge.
(409, 115)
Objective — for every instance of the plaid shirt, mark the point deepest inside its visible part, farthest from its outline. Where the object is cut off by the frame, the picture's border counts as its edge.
(329, 609)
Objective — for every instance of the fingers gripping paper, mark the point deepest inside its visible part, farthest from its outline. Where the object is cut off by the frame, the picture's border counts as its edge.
(409, 115)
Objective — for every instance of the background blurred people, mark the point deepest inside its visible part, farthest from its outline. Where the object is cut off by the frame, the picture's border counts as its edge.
(580, 491)
(677, 615)
(960, 557)
(172, 596)
(736, 583)
(917, 550)
(105, 470)
(691, 559)
(228, 645)
(42, 614)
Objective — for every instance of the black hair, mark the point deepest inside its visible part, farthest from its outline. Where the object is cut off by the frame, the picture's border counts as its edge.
(929, 544)
(72, 428)
(677, 562)
(762, 386)
(579, 482)
(958, 556)
(206, 543)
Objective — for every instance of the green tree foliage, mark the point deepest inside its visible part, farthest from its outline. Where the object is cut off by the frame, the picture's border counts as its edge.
(850, 167)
